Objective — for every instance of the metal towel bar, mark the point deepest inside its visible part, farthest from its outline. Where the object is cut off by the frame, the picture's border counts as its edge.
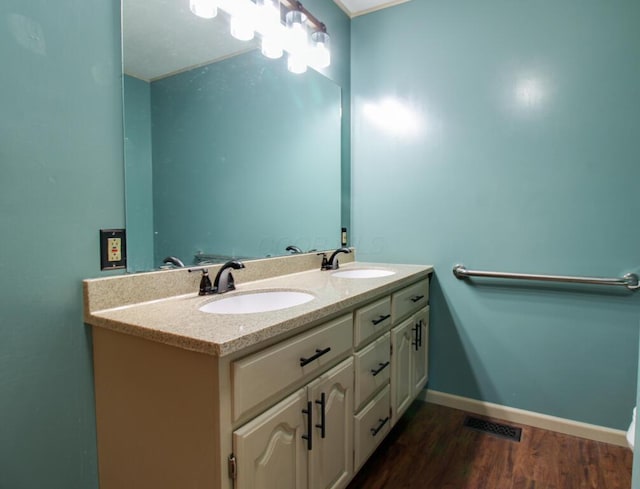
(630, 280)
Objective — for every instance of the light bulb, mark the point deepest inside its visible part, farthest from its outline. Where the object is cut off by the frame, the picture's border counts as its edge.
(207, 9)
(242, 28)
(268, 23)
(320, 53)
(296, 32)
(296, 63)
(268, 16)
(271, 46)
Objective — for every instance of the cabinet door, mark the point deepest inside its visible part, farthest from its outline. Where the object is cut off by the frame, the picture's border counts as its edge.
(401, 369)
(270, 449)
(331, 458)
(420, 350)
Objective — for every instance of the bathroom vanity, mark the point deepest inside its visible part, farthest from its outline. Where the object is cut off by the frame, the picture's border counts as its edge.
(294, 398)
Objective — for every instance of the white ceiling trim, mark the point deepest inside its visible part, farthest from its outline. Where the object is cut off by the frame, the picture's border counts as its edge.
(356, 8)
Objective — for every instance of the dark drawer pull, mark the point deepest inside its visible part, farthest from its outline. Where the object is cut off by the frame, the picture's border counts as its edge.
(382, 366)
(374, 431)
(309, 435)
(319, 353)
(418, 338)
(323, 415)
(380, 319)
(417, 298)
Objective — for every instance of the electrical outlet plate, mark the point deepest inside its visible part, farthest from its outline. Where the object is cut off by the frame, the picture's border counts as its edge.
(113, 249)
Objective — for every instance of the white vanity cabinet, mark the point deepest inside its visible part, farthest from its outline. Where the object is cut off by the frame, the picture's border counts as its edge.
(390, 369)
(300, 411)
(409, 365)
(305, 441)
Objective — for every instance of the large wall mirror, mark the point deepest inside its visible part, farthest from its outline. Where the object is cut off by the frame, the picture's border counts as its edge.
(227, 154)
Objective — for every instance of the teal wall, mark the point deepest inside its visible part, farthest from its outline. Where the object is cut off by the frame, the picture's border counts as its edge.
(138, 174)
(522, 157)
(62, 180)
(246, 160)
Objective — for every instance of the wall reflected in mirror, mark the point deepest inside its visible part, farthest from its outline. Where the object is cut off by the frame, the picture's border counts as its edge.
(229, 158)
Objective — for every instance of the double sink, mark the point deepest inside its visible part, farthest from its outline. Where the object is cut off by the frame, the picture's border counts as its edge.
(273, 300)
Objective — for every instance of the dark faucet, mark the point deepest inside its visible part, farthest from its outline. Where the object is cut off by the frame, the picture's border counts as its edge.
(293, 249)
(177, 262)
(332, 262)
(224, 280)
(205, 281)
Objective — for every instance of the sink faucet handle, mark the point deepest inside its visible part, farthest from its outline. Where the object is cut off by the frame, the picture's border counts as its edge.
(325, 262)
(205, 282)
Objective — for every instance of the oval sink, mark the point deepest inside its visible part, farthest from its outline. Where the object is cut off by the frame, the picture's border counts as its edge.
(363, 273)
(253, 302)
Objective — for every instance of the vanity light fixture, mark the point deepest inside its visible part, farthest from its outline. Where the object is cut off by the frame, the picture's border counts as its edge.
(265, 18)
(207, 9)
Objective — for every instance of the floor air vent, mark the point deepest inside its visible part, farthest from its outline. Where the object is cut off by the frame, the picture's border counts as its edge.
(495, 429)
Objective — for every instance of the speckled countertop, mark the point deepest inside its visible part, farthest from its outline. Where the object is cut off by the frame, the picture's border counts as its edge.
(176, 320)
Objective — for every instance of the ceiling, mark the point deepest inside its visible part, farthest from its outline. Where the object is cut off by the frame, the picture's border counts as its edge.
(360, 7)
(163, 37)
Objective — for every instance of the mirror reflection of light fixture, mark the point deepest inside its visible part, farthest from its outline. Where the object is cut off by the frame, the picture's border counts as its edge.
(207, 9)
(242, 21)
(264, 16)
(268, 21)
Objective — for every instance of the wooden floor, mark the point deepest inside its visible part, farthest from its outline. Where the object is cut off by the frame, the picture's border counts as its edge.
(430, 448)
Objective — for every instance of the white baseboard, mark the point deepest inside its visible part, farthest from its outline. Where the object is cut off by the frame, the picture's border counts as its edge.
(530, 418)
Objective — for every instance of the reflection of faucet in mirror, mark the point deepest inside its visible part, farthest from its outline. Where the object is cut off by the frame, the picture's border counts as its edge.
(172, 260)
(332, 262)
(224, 281)
(293, 249)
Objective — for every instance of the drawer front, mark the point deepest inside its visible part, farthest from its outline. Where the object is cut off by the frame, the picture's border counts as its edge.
(371, 321)
(264, 374)
(373, 369)
(371, 425)
(409, 300)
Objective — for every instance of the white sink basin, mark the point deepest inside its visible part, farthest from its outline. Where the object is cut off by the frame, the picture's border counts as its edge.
(253, 302)
(363, 273)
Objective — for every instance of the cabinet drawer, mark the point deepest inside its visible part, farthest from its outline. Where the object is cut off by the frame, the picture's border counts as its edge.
(371, 321)
(409, 300)
(372, 366)
(371, 425)
(264, 374)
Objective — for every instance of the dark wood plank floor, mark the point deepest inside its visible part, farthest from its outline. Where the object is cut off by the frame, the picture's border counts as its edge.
(430, 448)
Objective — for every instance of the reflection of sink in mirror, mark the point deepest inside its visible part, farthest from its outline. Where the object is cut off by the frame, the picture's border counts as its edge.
(363, 273)
(253, 302)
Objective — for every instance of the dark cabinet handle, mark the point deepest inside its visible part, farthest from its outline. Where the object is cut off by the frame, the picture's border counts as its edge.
(323, 415)
(381, 367)
(417, 298)
(418, 335)
(380, 319)
(374, 431)
(318, 354)
(309, 435)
